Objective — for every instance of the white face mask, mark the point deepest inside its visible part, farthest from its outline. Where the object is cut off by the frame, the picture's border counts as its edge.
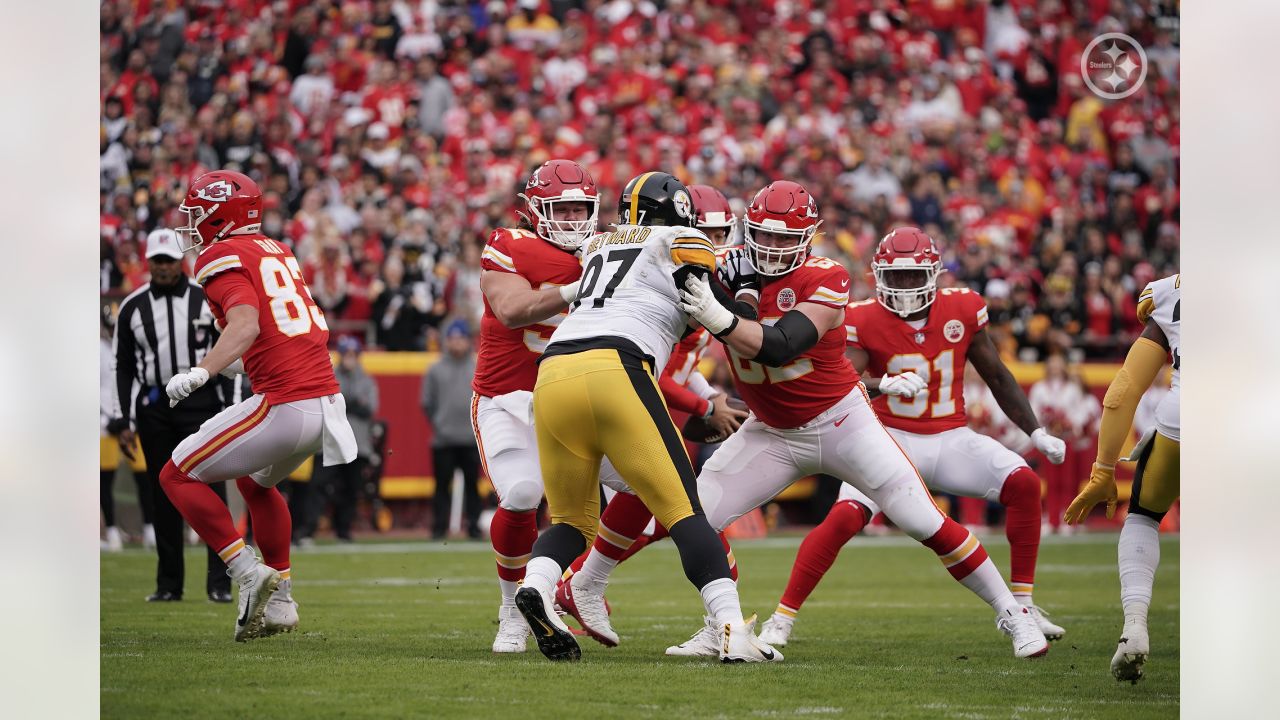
(905, 301)
(568, 234)
(775, 261)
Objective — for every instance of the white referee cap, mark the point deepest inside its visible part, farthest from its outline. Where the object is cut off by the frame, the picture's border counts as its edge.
(163, 241)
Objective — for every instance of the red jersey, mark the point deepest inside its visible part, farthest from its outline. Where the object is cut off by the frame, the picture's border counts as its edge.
(792, 395)
(289, 360)
(508, 357)
(674, 381)
(936, 352)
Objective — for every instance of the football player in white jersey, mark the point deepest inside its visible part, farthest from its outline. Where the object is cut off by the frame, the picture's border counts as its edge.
(597, 396)
(1156, 482)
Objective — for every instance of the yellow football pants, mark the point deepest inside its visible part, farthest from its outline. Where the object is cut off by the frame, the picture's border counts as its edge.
(598, 403)
(1157, 480)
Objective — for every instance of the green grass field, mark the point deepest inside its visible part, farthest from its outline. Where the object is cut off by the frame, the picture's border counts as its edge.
(403, 630)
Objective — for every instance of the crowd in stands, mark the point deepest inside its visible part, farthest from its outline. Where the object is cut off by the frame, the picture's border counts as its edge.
(391, 137)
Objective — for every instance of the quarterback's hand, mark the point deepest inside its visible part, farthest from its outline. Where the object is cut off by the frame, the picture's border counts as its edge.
(725, 419)
(1102, 486)
(697, 300)
(737, 273)
(907, 384)
(569, 292)
(1052, 447)
(183, 384)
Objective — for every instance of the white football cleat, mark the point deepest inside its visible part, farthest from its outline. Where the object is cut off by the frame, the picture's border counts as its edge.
(584, 600)
(149, 537)
(704, 643)
(281, 615)
(552, 635)
(255, 590)
(1132, 652)
(777, 630)
(513, 631)
(740, 644)
(1020, 625)
(1050, 630)
(113, 540)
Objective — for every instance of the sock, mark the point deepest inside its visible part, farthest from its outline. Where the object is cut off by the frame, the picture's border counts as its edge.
(721, 600)
(512, 534)
(541, 573)
(1021, 499)
(644, 541)
(967, 561)
(238, 558)
(272, 524)
(1139, 557)
(203, 510)
(728, 556)
(624, 519)
(818, 552)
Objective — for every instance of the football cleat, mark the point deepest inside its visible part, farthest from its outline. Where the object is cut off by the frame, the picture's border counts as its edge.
(1131, 653)
(113, 540)
(281, 615)
(740, 644)
(255, 590)
(1021, 627)
(777, 630)
(513, 631)
(553, 636)
(584, 600)
(1050, 630)
(704, 643)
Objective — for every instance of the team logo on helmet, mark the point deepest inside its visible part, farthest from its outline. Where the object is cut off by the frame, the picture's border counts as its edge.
(215, 191)
(683, 206)
(953, 331)
(786, 299)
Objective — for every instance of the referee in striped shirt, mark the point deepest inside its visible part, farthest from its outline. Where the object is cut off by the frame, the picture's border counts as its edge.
(164, 328)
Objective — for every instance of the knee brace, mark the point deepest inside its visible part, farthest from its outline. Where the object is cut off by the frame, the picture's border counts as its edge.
(522, 496)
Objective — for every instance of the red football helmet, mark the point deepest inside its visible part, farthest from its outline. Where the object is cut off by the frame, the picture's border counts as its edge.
(906, 267)
(713, 211)
(219, 204)
(560, 181)
(783, 208)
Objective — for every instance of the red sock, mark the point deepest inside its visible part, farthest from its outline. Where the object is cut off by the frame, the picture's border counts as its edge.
(957, 548)
(623, 520)
(513, 535)
(818, 552)
(272, 524)
(200, 506)
(728, 554)
(659, 532)
(1021, 499)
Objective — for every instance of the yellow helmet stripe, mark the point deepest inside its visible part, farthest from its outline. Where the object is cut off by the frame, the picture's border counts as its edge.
(635, 197)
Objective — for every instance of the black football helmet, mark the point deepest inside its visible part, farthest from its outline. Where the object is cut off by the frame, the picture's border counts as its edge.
(656, 198)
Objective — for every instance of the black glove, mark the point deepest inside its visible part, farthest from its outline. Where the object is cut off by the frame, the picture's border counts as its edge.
(737, 273)
(115, 426)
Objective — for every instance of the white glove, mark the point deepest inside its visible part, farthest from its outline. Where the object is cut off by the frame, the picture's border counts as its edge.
(697, 300)
(1052, 447)
(234, 369)
(906, 385)
(183, 384)
(570, 292)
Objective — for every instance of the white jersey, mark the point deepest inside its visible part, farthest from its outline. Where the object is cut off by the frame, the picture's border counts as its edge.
(628, 288)
(1161, 300)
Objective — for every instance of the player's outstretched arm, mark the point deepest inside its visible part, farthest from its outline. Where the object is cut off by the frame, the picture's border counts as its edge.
(1010, 397)
(515, 303)
(773, 345)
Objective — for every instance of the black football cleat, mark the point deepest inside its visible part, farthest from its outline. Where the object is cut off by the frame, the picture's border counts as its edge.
(164, 596)
(553, 636)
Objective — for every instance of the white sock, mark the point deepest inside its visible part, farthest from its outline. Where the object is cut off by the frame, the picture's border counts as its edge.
(1139, 557)
(541, 574)
(721, 600)
(986, 583)
(508, 588)
(239, 558)
(597, 567)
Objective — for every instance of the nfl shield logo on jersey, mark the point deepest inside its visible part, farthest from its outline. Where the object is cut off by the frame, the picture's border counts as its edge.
(953, 331)
(786, 299)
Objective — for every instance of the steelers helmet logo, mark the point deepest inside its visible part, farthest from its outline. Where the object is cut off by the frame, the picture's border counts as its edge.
(786, 299)
(953, 331)
(683, 206)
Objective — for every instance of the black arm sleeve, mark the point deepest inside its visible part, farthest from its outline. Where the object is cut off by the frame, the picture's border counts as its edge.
(786, 340)
(740, 309)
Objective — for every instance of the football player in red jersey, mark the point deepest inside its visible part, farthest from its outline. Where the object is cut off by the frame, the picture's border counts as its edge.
(809, 412)
(918, 338)
(273, 331)
(715, 217)
(529, 275)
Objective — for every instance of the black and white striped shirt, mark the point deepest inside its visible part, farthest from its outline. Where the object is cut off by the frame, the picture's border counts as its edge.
(159, 333)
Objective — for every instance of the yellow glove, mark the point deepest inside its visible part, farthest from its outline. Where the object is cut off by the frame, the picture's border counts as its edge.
(1102, 486)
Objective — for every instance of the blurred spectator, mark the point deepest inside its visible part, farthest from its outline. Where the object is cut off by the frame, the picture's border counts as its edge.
(446, 401)
(340, 484)
(1056, 402)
